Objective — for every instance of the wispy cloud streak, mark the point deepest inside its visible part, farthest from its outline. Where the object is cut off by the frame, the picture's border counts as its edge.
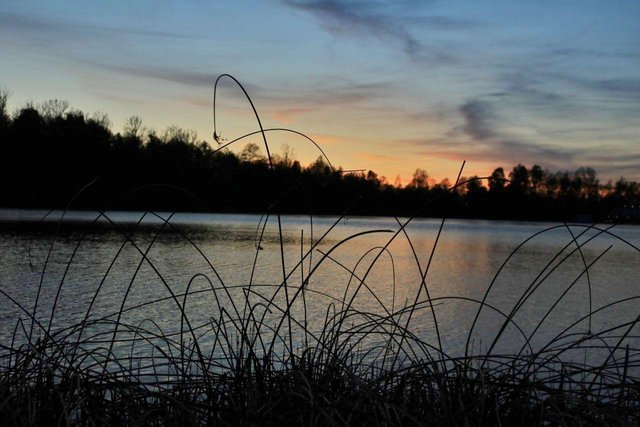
(59, 28)
(478, 118)
(372, 19)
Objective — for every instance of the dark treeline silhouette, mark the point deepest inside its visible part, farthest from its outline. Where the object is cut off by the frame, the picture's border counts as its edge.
(49, 152)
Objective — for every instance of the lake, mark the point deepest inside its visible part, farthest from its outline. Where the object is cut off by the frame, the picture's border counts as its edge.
(136, 268)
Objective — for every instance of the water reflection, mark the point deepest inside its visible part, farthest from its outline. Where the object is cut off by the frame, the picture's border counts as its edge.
(219, 259)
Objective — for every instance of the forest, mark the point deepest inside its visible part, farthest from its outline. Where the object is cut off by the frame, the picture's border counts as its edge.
(52, 156)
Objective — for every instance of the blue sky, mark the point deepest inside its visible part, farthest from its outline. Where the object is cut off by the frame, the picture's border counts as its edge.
(388, 86)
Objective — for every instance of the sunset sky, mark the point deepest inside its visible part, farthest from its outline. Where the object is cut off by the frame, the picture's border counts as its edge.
(389, 86)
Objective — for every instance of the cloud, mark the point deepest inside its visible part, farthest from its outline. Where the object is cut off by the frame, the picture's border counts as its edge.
(526, 86)
(296, 99)
(333, 92)
(327, 139)
(444, 23)
(188, 78)
(481, 124)
(377, 158)
(629, 87)
(491, 151)
(614, 165)
(615, 158)
(532, 152)
(57, 29)
(616, 88)
(564, 52)
(478, 118)
(371, 19)
(481, 138)
(325, 93)
(355, 18)
(287, 115)
(194, 79)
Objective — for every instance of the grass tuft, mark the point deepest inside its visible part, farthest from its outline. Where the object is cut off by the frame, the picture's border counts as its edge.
(261, 360)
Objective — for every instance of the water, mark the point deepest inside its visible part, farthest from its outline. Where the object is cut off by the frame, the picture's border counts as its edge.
(91, 267)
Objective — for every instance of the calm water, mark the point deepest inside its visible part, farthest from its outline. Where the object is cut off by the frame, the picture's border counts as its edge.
(205, 251)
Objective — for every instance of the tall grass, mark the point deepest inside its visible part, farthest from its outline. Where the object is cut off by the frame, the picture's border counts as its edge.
(260, 360)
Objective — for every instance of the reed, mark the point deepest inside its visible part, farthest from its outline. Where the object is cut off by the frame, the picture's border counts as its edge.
(260, 360)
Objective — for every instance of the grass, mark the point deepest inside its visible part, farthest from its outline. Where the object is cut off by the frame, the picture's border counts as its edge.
(260, 360)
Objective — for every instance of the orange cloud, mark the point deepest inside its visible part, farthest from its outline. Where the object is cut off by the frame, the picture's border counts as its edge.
(325, 139)
(287, 115)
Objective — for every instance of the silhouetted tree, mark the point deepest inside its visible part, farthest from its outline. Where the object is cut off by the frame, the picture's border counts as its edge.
(133, 127)
(286, 157)
(4, 114)
(587, 182)
(564, 184)
(48, 152)
(497, 180)
(251, 153)
(519, 177)
(474, 186)
(319, 167)
(53, 108)
(537, 177)
(175, 133)
(420, 179)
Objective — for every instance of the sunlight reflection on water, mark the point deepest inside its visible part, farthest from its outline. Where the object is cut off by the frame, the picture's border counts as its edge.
(211, 250)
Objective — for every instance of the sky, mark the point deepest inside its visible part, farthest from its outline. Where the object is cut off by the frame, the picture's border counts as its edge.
(389, 86)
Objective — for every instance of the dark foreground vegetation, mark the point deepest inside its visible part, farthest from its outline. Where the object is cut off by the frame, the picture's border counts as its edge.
(259, 360)
(49, 152)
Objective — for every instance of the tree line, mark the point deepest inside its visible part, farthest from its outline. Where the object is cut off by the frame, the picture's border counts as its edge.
(52, 156)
